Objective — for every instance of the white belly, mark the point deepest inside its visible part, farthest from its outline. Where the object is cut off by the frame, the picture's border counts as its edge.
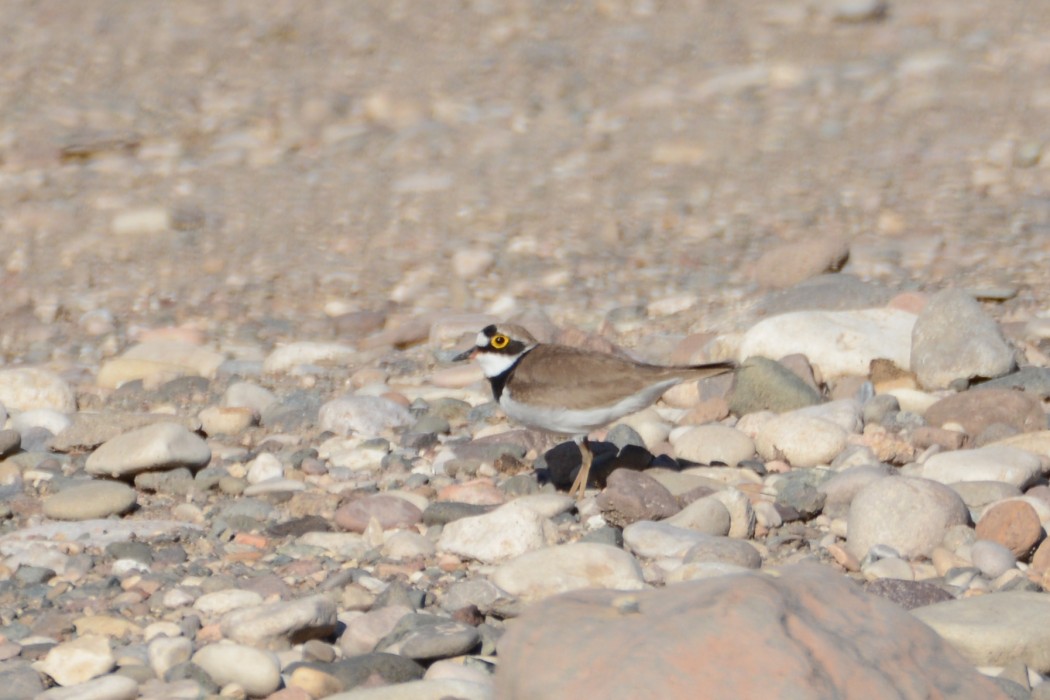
(581, 421)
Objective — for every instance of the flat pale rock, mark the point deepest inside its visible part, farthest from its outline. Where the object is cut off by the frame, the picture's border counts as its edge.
(255, 670)
(991, 463)
(112, 687)
(504, 533)
(28, 388)
(1037, 443)
(367, 416)
(389, 511)
(707, 444)
(89, 430)
(156, 361)
(910, 515)
(841, 343)
(706, 515)
(568, 567)
(995, 629)
(155, 447)
(78, 660)
(291, 355)
(802, 440)
(90, 500)
(806, 634)
(440, 689)
(275, 625)
(656, 540)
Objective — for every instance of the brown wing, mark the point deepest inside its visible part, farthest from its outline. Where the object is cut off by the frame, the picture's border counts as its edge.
(574, 379)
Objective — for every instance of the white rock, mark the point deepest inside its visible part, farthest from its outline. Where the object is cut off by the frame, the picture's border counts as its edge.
(264, 467)
(506, 532)
(346, 545)
(990, 463)
(350, 453)
(992, 558)
(422, 690)
(804, 441)
(997, 629)
(910, 515)
(708, 515)
(741, 514)
(157, 446)
(845, 413)
(167, 652)
(840, 343)
(78, 660)
(654, 540)
(275, 624)
(47, 418)
(29, 388)
(407, 544)
(549, 505)
(247, 395)
(289, 356)
(649, 425)
(705, 444)
(112, 687)
(568, 567)
(367, 416)
(255, 670)
(224, 601)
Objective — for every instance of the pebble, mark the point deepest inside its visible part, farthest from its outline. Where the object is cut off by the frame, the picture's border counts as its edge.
(992, 558)
(114, 687)
(841, 488)
(834, 292)
(255, 670)
(657, 540)
(158, 361)
(725, 550)
(78, 660)
(910, 515)
(977, 411)
(568, 567)
(788, 264)
(287, 357)
(991, 463)
(47, 418)
(90, 500)
(157, 446)
(363, 632)
(504, 533)
(367, 416)
(247, 395)
(821, 336)
(801, 440)
(762, 384)
(705, 515)
(630, 496)
(219, 420)
(433, 638)
(995, 630)
(313, 682)
(219, 603)
(273, 625)
(954, 339)
(421, 690)
(708, 444)
(390, 512)
(165, 653)
(1013, 524)
(31, 388)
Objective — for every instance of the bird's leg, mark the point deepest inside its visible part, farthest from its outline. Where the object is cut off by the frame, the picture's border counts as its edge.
(580, 485)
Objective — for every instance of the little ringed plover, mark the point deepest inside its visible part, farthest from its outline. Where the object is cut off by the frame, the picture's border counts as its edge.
(571, 391)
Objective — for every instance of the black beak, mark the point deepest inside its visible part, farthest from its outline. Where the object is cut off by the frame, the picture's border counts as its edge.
(466, 355)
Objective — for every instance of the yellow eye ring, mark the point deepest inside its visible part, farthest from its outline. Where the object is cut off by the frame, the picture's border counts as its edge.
(499, 342)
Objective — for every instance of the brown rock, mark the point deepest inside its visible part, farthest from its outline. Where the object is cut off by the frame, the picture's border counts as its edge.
(1013, 524)
(925, 436)
(806, 634)
(790, 263)
(390, 511)
(978, 409)
(630, 496)
(1041, 559)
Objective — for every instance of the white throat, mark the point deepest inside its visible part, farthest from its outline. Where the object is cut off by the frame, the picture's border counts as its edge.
(494, 364)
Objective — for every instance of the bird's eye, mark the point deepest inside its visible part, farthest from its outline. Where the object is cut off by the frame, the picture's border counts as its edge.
(499, 341)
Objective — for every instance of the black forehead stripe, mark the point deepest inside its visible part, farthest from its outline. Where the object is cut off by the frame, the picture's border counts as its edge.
(489, 330)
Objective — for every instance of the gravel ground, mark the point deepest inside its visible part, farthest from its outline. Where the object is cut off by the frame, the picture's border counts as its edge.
(256, 209)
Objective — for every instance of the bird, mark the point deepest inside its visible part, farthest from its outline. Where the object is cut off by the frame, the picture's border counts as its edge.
(571, 391)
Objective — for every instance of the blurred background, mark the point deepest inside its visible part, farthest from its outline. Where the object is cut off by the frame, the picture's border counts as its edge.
(286, 170)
